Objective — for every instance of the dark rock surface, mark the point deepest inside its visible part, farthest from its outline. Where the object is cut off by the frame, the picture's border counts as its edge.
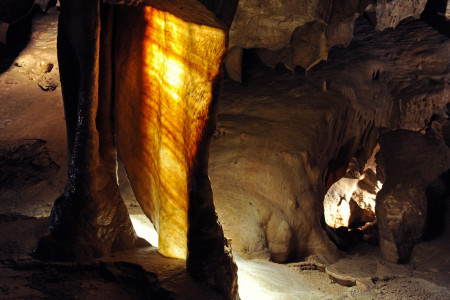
(413, 194)
(24, 163)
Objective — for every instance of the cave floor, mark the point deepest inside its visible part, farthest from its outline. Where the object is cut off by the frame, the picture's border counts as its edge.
(32, 133)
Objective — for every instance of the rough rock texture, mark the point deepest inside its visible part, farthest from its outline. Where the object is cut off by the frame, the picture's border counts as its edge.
(401, 212)
(28, 112)
(411, 192)
(144, 274)
(31, 124)
(340, 25)
(283, 139)
(350, 202)
(397, 75)
(388, 14)
(298, 29)
(167, 164)
(305, 30)
(269, 183)
(140, 273)
(168, 84)
(90, 218)
(25, 162)
(309, 45)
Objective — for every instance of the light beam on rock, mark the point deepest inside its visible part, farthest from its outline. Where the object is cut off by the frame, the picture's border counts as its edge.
(180, 62)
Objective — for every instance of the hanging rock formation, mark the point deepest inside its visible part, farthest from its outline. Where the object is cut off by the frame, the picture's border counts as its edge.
(300, 28)
(168, 73)
(90, 218)
(306, 30)
(146, 77)
(388, 14)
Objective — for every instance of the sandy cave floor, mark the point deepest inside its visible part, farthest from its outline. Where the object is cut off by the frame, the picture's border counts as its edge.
(33, 174)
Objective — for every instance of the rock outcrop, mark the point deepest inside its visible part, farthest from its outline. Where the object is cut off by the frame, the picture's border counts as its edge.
(283, 139)
(305, 31)
(388, 14)
(408, 199)
(270, 161)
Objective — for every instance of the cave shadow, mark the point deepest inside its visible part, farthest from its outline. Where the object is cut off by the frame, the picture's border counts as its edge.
(434, 15)
(17, 38)
(438, 198)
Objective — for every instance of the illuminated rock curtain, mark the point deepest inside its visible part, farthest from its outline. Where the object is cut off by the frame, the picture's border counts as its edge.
(143, 80)
(168, 60)
(161, 121)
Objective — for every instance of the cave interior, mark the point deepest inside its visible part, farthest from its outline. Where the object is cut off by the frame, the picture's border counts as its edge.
(232, 149)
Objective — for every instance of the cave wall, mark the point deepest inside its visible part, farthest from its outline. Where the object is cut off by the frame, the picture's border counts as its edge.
(283, 186)
(269, 184)
(412, 166)
(300, 33)
(284, 139)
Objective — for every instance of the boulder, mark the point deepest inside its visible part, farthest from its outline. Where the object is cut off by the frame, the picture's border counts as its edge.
(411, 165)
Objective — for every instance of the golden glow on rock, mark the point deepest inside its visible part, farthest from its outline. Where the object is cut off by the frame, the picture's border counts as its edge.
(180, 62)
(337, 201)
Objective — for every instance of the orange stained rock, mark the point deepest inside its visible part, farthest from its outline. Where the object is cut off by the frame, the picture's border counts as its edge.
(181, 59)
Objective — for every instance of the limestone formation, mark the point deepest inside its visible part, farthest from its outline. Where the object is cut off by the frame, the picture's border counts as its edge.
(269, 181)
(306, 30)
(90, 218)
(309, 45)
(388, 14)
(349, 203)
(310, 28)
(233, 63)
(401, 212)
(409, 199)
(170, 91)
(299, 25)
(148, 89)
(269, 184)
